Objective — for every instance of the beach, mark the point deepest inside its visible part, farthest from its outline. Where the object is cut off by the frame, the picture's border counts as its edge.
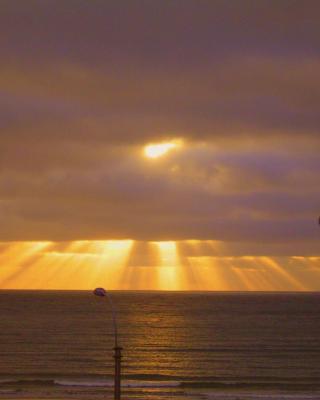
(59, 345)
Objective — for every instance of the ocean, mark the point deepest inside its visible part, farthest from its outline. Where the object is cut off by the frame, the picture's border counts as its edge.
(226, 346)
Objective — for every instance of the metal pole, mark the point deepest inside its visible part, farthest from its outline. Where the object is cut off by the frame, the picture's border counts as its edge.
(114, 319)
(117, 349)
(117, 373)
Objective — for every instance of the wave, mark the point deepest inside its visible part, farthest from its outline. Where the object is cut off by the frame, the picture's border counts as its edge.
(283, 386)
(88, 383)
(27, 381)
(261, 396)
(157, 381)
(7, 391)
(124, 383)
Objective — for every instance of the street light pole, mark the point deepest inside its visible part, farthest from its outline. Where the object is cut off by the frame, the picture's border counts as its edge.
(117, 349)
(117, 373)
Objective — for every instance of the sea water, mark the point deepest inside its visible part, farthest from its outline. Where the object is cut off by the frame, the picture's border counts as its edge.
(59, 345)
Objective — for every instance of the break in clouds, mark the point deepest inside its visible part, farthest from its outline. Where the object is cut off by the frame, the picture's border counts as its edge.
(86, 85)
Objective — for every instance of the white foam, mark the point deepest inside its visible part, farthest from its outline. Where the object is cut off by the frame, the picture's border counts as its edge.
(261, 396)
(93, 383)
(5, 391)
(151, 384)
(124, 383)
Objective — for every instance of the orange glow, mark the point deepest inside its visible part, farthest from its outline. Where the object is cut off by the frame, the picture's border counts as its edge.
(166, 265)
(169, 264)
(156, 150)
(282, 273)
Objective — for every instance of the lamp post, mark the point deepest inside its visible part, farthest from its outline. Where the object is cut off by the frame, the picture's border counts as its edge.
(117, 349)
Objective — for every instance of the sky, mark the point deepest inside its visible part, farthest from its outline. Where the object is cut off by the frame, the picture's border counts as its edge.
(167, 145)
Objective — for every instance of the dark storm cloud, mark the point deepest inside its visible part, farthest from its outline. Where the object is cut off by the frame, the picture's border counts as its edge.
(84, 85)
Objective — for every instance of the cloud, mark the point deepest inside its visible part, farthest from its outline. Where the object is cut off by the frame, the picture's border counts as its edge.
(85, 86)
(126, 196)
(156, 32)
(239, 97)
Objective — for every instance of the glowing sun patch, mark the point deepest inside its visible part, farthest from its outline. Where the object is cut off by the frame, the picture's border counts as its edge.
(156, 150)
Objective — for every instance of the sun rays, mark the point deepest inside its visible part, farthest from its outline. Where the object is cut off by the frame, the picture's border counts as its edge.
(168, 278)
(162, 265)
